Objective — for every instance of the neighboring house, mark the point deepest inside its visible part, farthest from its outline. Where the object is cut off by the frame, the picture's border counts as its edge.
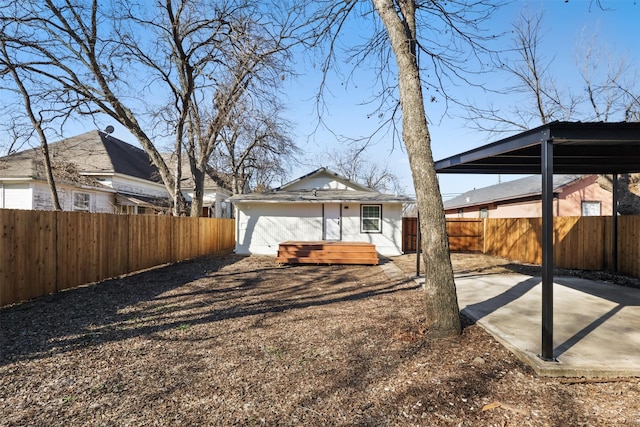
(94, 172)
(573, 195)
(321, 205)
(215, 194)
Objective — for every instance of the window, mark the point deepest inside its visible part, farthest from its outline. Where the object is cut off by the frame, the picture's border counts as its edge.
(484, 212)
(81, 202)
(371, 219)
(125, 209)
(590, 208)
(460, 212)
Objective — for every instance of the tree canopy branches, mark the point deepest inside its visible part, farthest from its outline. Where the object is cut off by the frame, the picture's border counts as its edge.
(181, 62)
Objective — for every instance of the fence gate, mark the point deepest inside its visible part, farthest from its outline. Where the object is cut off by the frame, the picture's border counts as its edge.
(409, 234)
(465, 234)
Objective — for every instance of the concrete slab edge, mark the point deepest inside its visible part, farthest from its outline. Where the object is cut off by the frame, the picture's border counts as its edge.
(556, 369)
(550, 369)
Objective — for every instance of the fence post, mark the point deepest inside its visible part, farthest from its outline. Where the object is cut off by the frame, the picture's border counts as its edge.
(418, 244)
(484, 235)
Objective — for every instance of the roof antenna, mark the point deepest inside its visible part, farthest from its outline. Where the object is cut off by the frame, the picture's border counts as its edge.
(109, 129)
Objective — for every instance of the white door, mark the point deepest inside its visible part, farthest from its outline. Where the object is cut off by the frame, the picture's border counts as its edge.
(331, 222)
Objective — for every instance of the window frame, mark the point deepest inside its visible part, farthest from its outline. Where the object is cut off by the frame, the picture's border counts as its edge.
(584, 203)
(75, 206)
(378, 229)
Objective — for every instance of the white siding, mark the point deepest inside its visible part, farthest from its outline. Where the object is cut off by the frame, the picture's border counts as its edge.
(139, 187)
(104, 202)
(222, 208)
(41, 197)
(17, 196)
(389, 241)
(319, 182)
(262, 226)
(100, 201)
(215, 199)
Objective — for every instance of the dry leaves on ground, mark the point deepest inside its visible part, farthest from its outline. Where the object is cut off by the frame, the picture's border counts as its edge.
(241, 341)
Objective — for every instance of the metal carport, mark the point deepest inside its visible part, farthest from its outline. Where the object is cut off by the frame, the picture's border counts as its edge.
(562, 148)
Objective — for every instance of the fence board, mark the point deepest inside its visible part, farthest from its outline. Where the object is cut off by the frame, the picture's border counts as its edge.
(629, 245)
(465, 234)
(579, 242)
(43, 252)
(409, 234)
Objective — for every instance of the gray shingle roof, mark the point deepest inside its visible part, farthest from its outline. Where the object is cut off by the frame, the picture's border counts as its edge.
(97, 152)
(320, 196)
(92, 152)
(355, 193)
(517, 189)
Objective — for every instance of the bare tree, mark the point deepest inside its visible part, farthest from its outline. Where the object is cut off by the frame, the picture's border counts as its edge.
(543, 100)
(353, 164)
(123, 59)
(432, 43)
(69, 44)
(609, 92)
(35, 116)
(399, 20)
(256, 147)
(609, 82)
(217, 54)
(609, 89)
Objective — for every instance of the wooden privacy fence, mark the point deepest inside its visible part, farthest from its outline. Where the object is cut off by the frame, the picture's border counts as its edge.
(579, 242)
(464, 234)
(43, 251)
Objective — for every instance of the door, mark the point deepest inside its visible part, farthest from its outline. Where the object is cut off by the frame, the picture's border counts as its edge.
(331, 221)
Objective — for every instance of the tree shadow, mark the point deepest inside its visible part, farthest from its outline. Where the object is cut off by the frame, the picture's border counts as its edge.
(481, 309)
(182, 295)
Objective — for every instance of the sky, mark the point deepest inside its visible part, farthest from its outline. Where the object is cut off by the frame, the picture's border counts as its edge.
(565, 25)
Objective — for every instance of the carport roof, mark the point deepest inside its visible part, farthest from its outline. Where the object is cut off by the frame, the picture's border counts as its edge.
(556, 148)
(578, 148)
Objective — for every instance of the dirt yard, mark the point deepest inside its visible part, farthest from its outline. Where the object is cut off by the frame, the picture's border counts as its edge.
(240, 341)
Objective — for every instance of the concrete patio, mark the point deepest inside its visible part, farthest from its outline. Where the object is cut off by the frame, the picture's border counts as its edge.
(596, 324)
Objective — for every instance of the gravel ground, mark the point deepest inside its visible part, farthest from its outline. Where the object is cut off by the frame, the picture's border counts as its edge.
(241, 341)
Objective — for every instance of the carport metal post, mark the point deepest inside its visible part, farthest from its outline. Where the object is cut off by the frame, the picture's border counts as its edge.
(614, 225)
(547, 248)
(418, 244)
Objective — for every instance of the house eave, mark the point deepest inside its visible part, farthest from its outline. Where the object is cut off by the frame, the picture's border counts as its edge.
(515, 198)
(17, 178)
(308, 200)
(520, 198)
(125, 176)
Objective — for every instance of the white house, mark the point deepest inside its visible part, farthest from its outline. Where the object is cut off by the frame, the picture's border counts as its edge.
(94, 172)
(321, 205)
(215, 194)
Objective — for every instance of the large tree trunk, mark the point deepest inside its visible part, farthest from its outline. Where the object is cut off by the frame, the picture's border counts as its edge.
(198, 193)
(55, 200)
(443, 317)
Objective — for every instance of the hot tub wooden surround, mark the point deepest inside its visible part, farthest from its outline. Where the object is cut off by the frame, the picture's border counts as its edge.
(327, 252)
